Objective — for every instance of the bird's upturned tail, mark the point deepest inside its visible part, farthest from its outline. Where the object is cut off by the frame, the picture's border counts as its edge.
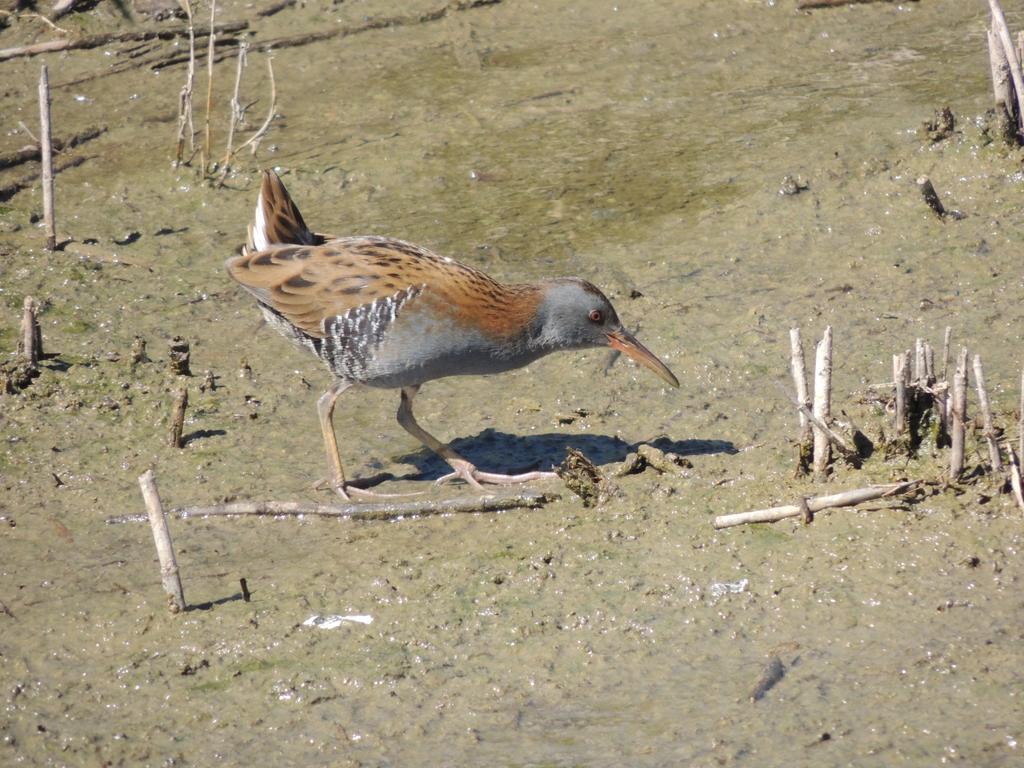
(277, 220)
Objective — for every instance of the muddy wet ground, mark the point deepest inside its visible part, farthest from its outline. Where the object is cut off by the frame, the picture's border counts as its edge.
(642, 146)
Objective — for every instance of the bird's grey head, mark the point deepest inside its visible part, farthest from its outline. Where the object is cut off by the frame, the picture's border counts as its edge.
(573, 314)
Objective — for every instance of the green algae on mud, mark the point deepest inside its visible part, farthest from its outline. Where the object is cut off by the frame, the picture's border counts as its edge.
(568, 635)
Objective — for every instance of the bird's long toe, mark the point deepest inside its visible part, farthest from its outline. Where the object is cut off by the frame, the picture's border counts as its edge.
(463, 470)
(524, 477)
(347, 491)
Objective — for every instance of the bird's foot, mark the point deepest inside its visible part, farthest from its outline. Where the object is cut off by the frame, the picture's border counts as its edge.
(463, 470)
(347, 490)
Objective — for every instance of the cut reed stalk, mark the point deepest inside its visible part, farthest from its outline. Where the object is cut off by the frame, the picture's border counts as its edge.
(30, 345)
(169, 574)
(46, 153)
(986, 414)
(822, 401)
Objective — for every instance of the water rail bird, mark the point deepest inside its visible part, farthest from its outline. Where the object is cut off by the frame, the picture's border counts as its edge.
(382, 312)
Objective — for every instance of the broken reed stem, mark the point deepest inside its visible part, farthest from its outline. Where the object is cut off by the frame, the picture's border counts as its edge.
(931, 197)
(178, 417)
(254, 140)
(800, 382)
(822, 401)
(1020, 418)
(1003, 33)
(1001, 90)
(772, 673)
(986, 414)
(815, 504)
(206, 154)
(179, 355)
(959, 430)
(185, 99)
(31, 343)
(1000, 72)
(834, 437)
(46, 152)
(162, 539)
(899, 378)
(947, 338)
(944, 391)
(237, 112)
(1015, 478)
(384, 510)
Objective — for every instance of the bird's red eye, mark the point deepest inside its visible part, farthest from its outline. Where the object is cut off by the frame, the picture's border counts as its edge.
(596, 316)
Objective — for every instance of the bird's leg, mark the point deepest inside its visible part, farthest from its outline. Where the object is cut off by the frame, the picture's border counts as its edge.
(325, 408)
(463, 469)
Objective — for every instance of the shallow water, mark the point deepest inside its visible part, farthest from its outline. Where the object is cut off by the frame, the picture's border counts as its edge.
(641, 146)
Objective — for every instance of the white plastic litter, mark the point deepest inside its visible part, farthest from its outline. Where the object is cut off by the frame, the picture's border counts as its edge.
(722, 588)
(333, 622)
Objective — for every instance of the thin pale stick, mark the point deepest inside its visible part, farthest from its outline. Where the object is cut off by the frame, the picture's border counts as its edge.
(207, 152)
(185, 120)
(833, 437)
(899, 378)
(46, 151)
(237, 112)
(169, 574)
(255, 139)
(816, 504)
(986, 414)
(1015, 478)
(822, 400)
(799, 370)
(958, 429)
(359, 511)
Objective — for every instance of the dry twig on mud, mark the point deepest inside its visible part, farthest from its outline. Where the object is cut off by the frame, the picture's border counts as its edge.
(382, 510)
(95, 41)
(237, 112)
(816, 504)
(169, 574)
(254, 141)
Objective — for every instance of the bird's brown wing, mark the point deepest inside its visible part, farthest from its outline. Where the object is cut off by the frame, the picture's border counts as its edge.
(309, 283)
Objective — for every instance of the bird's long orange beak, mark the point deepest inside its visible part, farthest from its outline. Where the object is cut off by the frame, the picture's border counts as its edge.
(623, 341)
